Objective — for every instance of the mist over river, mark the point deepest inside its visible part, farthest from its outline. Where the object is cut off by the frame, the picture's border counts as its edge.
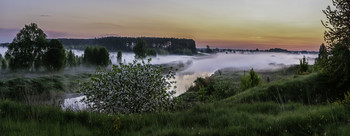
(205, 65)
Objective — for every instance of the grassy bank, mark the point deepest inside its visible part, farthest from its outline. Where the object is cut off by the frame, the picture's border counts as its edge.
(287, 105)
(40, 89)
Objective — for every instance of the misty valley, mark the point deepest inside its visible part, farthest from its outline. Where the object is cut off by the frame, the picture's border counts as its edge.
(175, 68)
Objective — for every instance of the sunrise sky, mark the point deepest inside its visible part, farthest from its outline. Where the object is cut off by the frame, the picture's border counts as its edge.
(243, 24)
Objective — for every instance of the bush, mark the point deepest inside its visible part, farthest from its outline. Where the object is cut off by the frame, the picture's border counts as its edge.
(129, 88)
(250, 80)
(303, 67)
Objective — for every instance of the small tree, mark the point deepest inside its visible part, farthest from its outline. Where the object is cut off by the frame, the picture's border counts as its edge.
(303, 66)
(208, 50)
(55, 57)
(250, 80)
(119, 56)
(71, 60)
(129, 88)
(140, 49)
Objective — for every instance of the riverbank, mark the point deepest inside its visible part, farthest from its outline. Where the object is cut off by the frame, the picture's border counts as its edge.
(250, 112)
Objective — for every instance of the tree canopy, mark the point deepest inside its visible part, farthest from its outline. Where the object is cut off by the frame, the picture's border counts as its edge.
(97, 55)
(140, 49)
(55, 57)
(129, 88)
(27, 48)
(338, 23)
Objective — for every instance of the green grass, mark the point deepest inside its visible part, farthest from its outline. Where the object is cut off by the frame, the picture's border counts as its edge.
(287, 106)
(219, 118)
(42, 88)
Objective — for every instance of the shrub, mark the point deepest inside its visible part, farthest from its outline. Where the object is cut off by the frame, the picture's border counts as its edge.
(129, 88)
(250, 80)
(303, 67)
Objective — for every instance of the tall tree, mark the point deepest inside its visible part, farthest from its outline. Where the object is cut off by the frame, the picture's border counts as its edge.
(322, 59)
(140, 48)
(338, 23)
(55, 57)
(97, 55)
(119, 56)
(71, 61)
(27, 48)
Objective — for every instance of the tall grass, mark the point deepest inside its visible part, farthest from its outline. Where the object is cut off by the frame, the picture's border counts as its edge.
(219, 118)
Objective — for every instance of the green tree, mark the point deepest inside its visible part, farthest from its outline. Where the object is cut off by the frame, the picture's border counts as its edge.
(250, 80)
(55, 57)
(129, 88)
(71, 60)
(97, 55)
(140, 49)
(338, 69)
(338, 23)
(303, 66)
(119, 56)
(27, 49)
(322, 60)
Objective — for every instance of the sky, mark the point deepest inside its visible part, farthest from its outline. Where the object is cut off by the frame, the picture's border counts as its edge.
(240, 24)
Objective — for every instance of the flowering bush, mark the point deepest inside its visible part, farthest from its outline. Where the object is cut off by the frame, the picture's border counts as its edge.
(130, 88)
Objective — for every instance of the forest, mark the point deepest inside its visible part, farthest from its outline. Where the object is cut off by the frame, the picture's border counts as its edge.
(170, 45)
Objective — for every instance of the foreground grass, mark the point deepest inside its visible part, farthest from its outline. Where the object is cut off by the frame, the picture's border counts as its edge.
(219, 118)
(283, 107)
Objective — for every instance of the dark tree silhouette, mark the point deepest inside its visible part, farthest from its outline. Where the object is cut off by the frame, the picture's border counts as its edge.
(71, 60)
(55, 57)
(208, 50)
(27, 48)
(119, 56)
(338, 23)
(322, 59)
(97, 55)
(140, 49)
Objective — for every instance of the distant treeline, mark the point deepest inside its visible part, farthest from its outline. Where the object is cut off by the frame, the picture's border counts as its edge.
(171, 45)
(208, 50)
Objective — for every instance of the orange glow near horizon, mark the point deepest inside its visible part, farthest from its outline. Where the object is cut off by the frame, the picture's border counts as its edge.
(293, 25)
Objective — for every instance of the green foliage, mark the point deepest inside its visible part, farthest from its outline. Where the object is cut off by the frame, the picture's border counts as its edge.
(129, 88)
(338, 23)
(71, 59)
(27, 49)
(54, 58)
(119, 56)
(151, 52)
(322, 60)
(303, 67)
(140, 49)
(250, 80)
(41, 90)
(338, 69)
(96, 55)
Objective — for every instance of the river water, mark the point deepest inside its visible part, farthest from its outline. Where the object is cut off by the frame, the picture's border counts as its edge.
(204, 65)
